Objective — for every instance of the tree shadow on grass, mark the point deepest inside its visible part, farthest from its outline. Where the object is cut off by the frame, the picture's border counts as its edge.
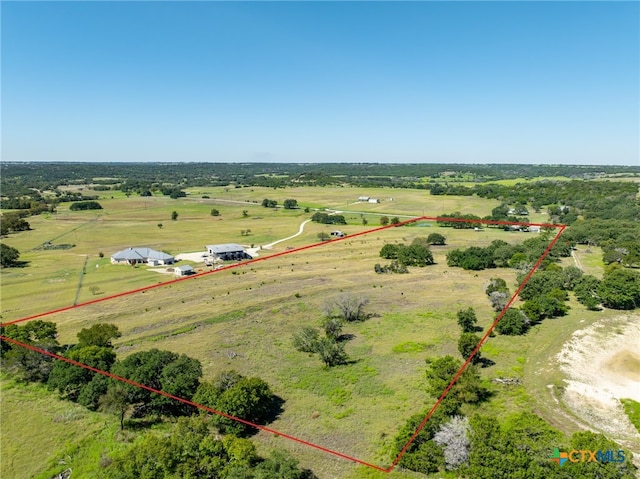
(18, 264)
(485, 362)
(345, 337)
(139, 423)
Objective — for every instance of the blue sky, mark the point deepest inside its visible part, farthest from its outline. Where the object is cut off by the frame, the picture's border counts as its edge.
(464, 82)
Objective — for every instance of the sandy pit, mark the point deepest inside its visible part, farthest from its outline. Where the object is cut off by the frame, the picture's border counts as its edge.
(602, 366)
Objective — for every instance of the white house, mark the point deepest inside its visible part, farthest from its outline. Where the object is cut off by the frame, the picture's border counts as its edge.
(363, 199)
(374, 200)
(141, 255)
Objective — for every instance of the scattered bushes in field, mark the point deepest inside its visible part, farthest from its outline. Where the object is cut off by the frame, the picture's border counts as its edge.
(393, 267)
(337, 312)
(306, 340)
(415, 254)
(348, 307)
(329, 348)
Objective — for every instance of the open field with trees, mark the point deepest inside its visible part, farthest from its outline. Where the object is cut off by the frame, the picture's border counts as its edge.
(246, 320)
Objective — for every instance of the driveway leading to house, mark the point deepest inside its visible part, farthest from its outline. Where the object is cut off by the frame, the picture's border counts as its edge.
(300, 231)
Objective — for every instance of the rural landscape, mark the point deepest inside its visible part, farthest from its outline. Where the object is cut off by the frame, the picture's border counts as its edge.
(372, 320)
(320, 240)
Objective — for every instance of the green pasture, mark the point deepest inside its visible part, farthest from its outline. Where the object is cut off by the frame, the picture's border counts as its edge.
(244, 318)
(52, 277)
(30, 441)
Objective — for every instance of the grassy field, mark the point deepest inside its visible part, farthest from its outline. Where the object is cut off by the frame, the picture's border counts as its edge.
(244, 318)
(30, 441)
(52, 277)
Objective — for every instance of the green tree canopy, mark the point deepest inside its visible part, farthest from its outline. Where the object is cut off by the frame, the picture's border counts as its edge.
(620, 289)
(163, 370)
(436, 239)
(513, 323)
(467, 320)
(466, 344)
(8, 256)
(389, 251)
(99, 334)
(69, 379)
(250, 399)
(26, 364)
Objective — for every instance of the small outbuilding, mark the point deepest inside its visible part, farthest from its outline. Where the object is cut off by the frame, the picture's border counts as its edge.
(363, 199)
(373, 200)
(227, 252)
(184, 270)
(337, 234)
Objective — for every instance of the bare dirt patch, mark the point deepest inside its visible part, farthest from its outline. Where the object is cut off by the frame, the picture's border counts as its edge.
(602, 366)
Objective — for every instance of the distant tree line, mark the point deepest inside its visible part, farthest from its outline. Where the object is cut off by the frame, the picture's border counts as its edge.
(147, 177)
(567, 200)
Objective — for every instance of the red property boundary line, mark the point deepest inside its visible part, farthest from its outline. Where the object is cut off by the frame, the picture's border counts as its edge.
(296, 250)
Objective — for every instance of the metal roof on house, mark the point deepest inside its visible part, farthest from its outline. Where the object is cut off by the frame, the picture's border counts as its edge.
(185, 268)
(225, 248)
(140, 254)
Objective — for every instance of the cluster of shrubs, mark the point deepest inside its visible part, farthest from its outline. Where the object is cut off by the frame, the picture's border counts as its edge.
(501, 254)
(337, 312)
(327, 219)
(85, 205)
(415, 254)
